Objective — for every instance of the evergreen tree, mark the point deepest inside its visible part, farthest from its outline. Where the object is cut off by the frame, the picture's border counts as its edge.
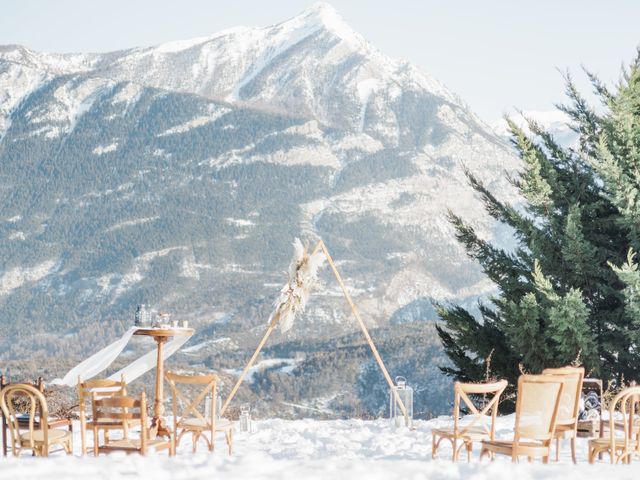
(558, 296)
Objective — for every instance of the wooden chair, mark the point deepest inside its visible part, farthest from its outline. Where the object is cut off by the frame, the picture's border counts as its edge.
(476, 430)
(536, 412)
(569, 409)
(102, 389)
(39, 437)
(191, 420)
(124, 410)
(23, 422)
(619, 448)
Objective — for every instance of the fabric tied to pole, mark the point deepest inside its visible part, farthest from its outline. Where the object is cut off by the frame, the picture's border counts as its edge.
(99, 362)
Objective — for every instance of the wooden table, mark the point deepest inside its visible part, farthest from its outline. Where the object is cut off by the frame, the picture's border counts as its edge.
(161, 336)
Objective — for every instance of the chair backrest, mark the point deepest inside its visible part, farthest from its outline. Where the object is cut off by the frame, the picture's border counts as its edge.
(208, 384)
(36, 406)
(626, 402)
(569, 408)
(491, 393)
(101, 387)
(121, 409)
(537, 407)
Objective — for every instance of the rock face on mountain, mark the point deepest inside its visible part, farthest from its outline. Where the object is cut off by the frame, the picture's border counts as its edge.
(178, 176)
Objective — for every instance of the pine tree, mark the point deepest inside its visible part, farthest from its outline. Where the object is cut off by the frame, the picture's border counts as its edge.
(558, 296)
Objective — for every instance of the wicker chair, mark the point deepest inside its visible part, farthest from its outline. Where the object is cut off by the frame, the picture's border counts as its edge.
(191, 420)
(477, 429)
(39, 437)
(536, 412)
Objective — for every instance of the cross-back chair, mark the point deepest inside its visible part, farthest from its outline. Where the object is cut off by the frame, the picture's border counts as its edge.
(125, 410)
(536, 413)
(569, 408)
(477, 428)
(191, 419)
(620, 448)
(39, 436)
(103, 388)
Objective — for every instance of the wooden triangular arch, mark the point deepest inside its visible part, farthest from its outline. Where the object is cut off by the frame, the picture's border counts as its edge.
(321, 246)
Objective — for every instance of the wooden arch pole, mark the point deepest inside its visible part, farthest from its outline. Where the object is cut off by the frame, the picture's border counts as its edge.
(321, 246)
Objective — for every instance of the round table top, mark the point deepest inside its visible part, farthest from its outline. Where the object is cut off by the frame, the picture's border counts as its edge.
(165, 332)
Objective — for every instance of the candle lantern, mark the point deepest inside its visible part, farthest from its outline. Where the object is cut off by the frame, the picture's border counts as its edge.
(401, 392)
(245, 418)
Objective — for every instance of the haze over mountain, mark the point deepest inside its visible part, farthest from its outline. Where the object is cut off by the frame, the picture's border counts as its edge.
(178, 175)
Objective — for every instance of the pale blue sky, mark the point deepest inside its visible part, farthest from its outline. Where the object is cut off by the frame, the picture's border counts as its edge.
(495, 54)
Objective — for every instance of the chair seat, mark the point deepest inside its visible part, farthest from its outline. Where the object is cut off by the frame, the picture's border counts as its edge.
(134, 444)
(606, 442)
(506, 447)
(112, 424)
(476, 432)
(200, 424)
(55, 435)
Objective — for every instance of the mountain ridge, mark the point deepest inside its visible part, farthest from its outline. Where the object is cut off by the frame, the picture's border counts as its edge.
(133, 179)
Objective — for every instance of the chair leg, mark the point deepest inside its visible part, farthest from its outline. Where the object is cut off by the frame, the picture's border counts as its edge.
(83, 435)
(433, 446)
(230, 441)
(573, 450)
(557, 449)
(96, 440)
(469, 450)
(454, 445)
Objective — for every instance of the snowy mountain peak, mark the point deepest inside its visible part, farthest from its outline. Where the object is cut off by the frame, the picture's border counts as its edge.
(325, 15)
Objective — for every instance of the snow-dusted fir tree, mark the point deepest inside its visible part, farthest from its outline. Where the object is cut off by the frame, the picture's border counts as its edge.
(558, 295)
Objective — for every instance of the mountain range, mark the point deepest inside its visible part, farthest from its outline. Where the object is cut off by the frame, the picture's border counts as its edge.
(178, 176)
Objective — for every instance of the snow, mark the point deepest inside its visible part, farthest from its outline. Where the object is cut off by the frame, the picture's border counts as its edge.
(18, 276)
(180, 45)
(555, 122)
(239, 222)
(286, 366)
(311, 449)
(196, 122)
(365, 89)
(100, 150)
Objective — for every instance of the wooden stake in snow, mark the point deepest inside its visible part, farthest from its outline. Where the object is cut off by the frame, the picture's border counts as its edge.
(293, 298)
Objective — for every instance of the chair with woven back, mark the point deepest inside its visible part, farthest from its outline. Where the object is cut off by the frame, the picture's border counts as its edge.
(103, 388)
(569, 409)
(536, 413)
(476, 429)
(191, 420)
(623, 416)
(39, 437)
(125, 410)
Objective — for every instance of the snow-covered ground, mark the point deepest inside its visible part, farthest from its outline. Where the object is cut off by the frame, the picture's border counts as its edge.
(309, 449)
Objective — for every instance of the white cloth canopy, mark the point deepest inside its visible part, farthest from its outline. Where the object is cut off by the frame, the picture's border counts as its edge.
(99, 362)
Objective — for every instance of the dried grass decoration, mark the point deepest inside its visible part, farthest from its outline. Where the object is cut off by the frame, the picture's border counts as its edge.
(303, 274)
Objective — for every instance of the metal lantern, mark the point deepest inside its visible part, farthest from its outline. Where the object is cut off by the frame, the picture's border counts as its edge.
(405, 394)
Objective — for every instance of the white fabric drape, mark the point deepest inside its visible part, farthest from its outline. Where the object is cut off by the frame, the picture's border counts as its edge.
(99, 362)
